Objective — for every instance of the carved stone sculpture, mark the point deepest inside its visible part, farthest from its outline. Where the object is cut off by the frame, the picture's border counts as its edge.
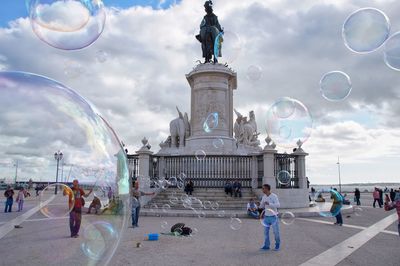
(246, 131)
(179, 129)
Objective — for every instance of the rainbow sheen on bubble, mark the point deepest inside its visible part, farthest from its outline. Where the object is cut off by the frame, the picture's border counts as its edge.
(98, 237)
(335, 86)
(67, 24)
(211, 122)
(283, 177)
(45, 117)
(288, 218)
(56, 200)
(365, 30)
(288, 120)
(268, 217)
(328, 202)
(235, 224)
(391, 53)
(227, 47)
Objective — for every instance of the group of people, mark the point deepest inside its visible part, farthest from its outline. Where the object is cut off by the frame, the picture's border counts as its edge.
(234, 189)
(9, 195)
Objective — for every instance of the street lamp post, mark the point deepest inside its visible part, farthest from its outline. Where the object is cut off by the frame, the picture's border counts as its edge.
(58, 157)
(16, 172)
(340, 182)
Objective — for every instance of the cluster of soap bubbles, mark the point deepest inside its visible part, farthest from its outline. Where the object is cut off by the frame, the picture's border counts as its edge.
(326, 209)
(227, 46)
(67, 25)
(51, 117)
(368, 29)
(270, 217)
(288, 121)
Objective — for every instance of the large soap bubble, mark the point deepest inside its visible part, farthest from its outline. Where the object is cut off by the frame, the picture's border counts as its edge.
(365, 30)
(288, 121)
(392, 52)
(335, 86)
(227, 46)
(67, 24)
(38, 118)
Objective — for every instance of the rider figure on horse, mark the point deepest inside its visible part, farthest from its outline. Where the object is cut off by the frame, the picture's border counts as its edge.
(209, 30)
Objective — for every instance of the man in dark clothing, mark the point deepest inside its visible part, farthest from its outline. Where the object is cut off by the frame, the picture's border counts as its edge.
(237, 189)
(357, 196)
(228, 188)
(392, 195)
(381, 196)
(189, 188)
(9, 194)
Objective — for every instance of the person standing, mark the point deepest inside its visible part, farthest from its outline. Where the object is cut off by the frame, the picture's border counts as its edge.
(75, 216)
(357, 195)
(270, 201)
(228, 188)
(392, 194)
(20, 199)
(9, 194)
(337, 206)
(189, 188)
(136, 194)
(380, 197)
(375, 194)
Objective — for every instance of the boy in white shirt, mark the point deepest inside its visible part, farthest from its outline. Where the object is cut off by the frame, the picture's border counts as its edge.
(271, 202)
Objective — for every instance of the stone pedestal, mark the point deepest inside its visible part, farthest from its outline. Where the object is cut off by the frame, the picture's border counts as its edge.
(212, 88)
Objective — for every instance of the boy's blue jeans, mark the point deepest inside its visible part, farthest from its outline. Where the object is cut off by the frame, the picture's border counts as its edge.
(271, 221)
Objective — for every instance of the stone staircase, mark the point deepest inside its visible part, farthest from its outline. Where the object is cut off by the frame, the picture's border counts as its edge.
(172, 197)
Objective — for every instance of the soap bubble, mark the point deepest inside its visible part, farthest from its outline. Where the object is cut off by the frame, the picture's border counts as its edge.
(335, 86)
(207, 204)
(200, 155)
(101, 56)
(164, 224)
(56, 200)
(286, 126)
(392, 52)
(173, 181)
(283, 177)
(283, 107)
(254, 73)
(218, 143)
(166, 208)
(235, 224)
(40, 117)
(194, 232)
(288, 218)
(200, 214)
(180, 185)
(358, 211)
(211, 122)
(73, 69)
(98, 237)
(228, 45)
(67, 25)
(173, 200)
(325, 199)
(365, 30)
(221, 213)
(215, 206)
(268, 217)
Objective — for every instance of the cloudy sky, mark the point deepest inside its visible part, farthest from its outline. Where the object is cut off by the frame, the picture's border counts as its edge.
(150, 46)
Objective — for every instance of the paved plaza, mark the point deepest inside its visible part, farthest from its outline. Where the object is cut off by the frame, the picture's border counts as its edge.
(368, 239)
